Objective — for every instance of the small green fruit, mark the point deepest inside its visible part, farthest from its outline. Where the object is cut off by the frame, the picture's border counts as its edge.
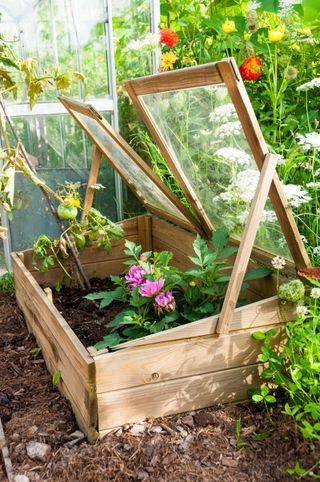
(67, 211)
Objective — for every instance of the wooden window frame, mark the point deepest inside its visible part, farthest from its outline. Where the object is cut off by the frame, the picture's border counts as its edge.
(223, 72)
(74, 108)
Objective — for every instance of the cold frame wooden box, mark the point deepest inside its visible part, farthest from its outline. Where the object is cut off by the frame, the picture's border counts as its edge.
(185, 368)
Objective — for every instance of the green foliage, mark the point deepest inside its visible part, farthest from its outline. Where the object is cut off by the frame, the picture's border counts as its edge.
(35, 352)
(293, 291)
(160, 296)
(56, 377)
(7, 284)
(283, 111)
(294, 368)
(95, 228)
(240, 443)
(18, 74)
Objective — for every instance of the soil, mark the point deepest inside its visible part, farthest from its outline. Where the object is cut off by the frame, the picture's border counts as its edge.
(196, 446)
(84, 316)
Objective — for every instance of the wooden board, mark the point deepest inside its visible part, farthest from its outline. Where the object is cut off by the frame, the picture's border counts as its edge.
(246, 245)
(180, 358)
(207, 74)
(60, 347)
(179, 239)
(175, 396)
(92, 180)
(262, 313)
(94, 254)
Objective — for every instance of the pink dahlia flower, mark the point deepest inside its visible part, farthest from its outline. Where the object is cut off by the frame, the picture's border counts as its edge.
(151, 288)
(164, 302)
(135, 276)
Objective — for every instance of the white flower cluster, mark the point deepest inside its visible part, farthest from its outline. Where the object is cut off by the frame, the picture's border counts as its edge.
(222, 113)
(253, 6)
(302, 311)
(311, 140)
(278, 262)
(246, 184)
(226, 196)
(268, 216)
(312, 84)
(235, 155)
(315, 293)
(316, 250)
(151, 40)
(296, 195)
(230, 129)
(313, 185)
(242, 217)
(281, 161)
(286, 6)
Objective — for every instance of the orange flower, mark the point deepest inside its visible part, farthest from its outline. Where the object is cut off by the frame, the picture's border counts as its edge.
(168, 37)
(251, 68)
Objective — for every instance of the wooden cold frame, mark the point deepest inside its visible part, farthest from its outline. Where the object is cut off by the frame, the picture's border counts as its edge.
(211, 360)
(226, 72)
(184, 368)
(75, 108)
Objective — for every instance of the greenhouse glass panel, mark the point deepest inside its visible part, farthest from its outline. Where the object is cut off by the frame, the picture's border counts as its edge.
(60, 152)
(134, 43)
(207, 143)
(65, 33)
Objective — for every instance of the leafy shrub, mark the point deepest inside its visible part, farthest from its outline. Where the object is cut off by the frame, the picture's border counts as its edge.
(160, 296)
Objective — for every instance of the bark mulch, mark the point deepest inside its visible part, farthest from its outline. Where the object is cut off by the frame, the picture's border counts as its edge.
(197, 446)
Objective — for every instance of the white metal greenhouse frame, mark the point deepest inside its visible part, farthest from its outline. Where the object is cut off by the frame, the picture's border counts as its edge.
(108, 104)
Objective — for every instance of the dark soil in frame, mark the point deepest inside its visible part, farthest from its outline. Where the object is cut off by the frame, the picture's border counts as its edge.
(84, 316)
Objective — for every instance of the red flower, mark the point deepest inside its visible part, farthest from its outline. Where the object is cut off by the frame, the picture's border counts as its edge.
(168, 37)
(251, 68)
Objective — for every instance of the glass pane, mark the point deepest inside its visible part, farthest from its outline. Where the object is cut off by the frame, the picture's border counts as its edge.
(134, 48)
(206, 139)
(148, 189)
(65, 33)
(60, 152)
(134, 44)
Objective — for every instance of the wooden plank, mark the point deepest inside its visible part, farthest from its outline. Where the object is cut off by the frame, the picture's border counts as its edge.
(173, 237)
(175, 396)
(255, 315)
(176, 359)
(101, 270)
(207, 74)
(80, 107)
(145, 233)
(237, 91)
(246, 244)
(93, 252)
(93, 178)
(61, 349)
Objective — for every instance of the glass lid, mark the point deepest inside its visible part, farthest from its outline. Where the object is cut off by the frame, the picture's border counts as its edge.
(150, 190)
(207, 131)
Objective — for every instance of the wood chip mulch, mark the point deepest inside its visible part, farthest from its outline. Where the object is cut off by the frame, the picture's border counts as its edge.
(196, 446)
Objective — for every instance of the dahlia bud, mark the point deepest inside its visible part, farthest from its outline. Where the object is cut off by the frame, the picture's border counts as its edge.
(290, 73)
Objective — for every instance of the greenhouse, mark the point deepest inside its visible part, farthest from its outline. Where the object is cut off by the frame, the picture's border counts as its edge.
(160, 276)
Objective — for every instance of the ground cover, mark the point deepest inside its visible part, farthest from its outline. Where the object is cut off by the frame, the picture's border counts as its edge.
(201, 445)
